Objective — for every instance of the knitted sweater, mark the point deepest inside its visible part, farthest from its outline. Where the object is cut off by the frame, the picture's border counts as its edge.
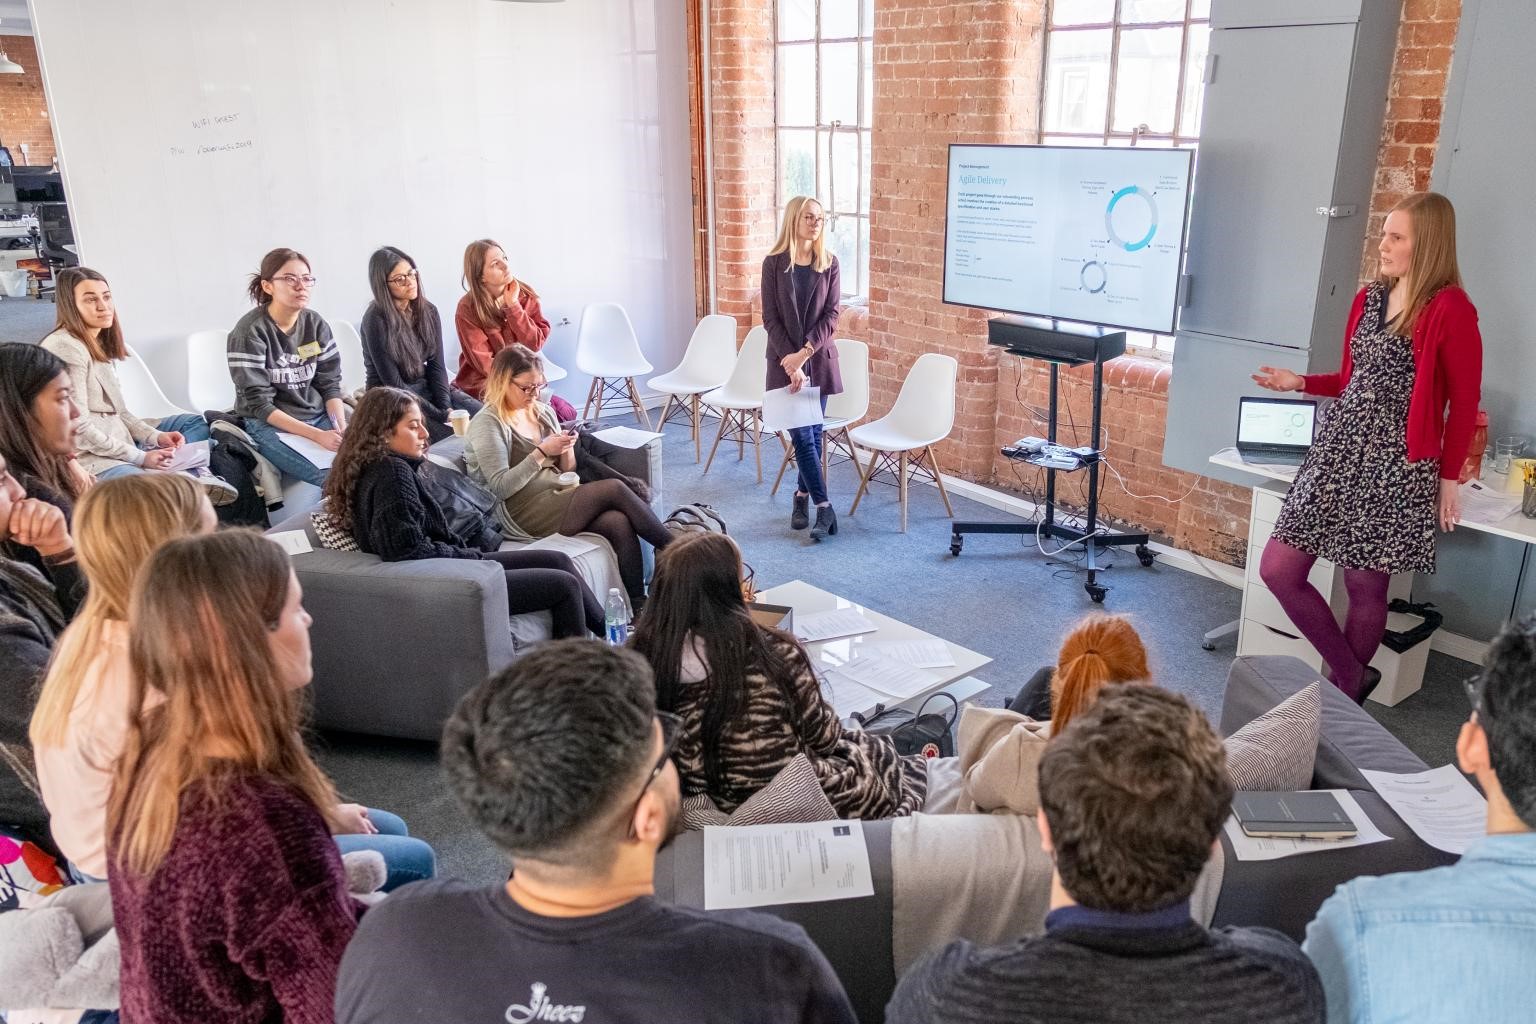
(522, 323)
(429, 377)
(862, 775)
(245, 920)
(1093, 967)
(394, 517)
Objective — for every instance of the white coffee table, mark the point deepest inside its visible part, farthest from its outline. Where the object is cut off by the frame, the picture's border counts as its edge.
(956, 680)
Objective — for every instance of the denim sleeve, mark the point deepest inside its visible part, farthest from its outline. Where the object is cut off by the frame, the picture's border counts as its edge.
(1333, 946)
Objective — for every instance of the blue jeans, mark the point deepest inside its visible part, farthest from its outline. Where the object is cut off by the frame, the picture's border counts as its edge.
(406, 859)
(287, 461)
(807, 442)
(189, 425)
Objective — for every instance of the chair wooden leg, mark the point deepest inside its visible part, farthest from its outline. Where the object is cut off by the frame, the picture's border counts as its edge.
(666, 408)
(874, 460)
(901, 487)
(634, 400)
(938, 478)
(725, 419)
(784, 463)
(741, 436)
(696, 441)
(592, 392)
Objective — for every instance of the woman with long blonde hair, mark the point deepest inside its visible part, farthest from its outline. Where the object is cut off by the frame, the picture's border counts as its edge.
(1383, 472)
(802, 298)
(227, 891)
(81, 717)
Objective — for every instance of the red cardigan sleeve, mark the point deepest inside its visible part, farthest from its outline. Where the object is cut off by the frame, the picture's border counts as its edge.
(1331, 385)
(474, 345)
(525, 321)
(1459, 362)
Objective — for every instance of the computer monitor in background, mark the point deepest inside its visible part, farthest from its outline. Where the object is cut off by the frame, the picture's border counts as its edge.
(7, 189)
(38, 185)
(53, 223)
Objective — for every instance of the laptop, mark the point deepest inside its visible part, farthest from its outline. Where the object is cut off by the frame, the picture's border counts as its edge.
(1275, 431)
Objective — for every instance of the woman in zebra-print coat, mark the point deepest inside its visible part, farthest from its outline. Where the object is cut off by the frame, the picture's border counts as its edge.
(748, 697)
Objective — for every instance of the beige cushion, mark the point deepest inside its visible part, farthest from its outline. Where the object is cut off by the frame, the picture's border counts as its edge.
(1277, 750)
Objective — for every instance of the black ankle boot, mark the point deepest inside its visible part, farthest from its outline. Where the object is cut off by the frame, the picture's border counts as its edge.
(800, 518)
(1370, 678)
(826, 523)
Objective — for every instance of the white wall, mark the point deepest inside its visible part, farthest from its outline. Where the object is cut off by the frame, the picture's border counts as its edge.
(561, 130)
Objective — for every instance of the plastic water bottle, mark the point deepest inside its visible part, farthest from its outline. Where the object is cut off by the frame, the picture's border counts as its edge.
(617, 614)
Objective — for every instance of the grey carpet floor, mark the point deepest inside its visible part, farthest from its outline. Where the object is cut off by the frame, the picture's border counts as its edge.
(27, 320)
(1000, 597)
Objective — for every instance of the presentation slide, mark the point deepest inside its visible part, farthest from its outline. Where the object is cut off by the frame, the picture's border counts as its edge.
(1093, 235)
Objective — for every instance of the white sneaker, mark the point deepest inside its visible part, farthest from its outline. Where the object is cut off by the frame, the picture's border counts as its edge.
(220, 491)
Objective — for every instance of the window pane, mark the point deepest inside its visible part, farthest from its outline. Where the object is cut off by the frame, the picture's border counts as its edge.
(844, 191)
(1082, 12)
(1194, 75)
(863, 288)
(823, 163)
(867, 26)
(1146, 81)
(1077, 81)
(843, 240)
(1071, 140)
(839, 19)
(867, 107)
(1200, 9)
(797, 20)
(797, 163)
(797, 85)
(864, 175)
(840, 66)
(1140, 11)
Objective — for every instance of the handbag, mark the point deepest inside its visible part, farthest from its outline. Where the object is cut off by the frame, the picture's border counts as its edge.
(695, 517)
(932, 735)
(469, 508)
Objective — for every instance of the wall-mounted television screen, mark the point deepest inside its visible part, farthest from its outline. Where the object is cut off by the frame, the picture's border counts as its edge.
(1093, 235)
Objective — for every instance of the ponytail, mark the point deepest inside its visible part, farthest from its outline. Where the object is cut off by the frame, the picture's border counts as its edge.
(1102, 649)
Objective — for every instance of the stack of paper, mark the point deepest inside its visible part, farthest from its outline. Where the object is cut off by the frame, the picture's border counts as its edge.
(626, 437)
(813, 627)
(1483, 504)
(1440, 805)
(765, 865)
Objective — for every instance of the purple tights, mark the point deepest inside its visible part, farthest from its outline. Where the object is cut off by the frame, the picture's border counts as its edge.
(1346, 651)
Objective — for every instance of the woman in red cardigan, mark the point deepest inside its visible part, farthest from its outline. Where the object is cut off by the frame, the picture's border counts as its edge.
(801, 302)
(497, 310)
(1383, 472)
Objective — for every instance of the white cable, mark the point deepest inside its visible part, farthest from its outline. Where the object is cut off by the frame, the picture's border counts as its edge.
(1149, 497)
(1100, 532)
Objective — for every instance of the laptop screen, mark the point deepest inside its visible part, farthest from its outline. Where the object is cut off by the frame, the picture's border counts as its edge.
(1268, 422)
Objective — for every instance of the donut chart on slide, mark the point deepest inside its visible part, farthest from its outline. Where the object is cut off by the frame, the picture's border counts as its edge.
(1093, 277)
(1129, 192)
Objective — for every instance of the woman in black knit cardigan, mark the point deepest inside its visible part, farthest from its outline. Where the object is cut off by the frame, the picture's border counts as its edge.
(374, 491)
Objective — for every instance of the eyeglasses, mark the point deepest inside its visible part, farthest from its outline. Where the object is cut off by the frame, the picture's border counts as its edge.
(1475, 685)
(813, 219)
(671, 732)
(295, 280)
(530, 389)
(400, 280)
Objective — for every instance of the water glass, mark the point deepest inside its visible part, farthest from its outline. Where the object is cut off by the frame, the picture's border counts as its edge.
(1505, 449)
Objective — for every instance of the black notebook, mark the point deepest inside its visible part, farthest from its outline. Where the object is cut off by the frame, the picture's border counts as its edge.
(1305, 815)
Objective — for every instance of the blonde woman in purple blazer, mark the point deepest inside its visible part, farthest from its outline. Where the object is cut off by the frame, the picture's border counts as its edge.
(801, 303)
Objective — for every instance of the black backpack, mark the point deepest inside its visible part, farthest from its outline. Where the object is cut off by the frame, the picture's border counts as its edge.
(469, 508)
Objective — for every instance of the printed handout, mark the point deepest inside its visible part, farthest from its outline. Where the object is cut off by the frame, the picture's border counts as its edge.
(766, 865)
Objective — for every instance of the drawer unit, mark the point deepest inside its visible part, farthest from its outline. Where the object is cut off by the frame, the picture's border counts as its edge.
(1257, 638)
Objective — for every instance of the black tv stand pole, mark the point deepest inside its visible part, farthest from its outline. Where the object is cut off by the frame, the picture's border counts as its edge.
(1060, 344)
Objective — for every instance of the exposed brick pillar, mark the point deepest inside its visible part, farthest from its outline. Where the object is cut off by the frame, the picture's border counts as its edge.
(958, 72)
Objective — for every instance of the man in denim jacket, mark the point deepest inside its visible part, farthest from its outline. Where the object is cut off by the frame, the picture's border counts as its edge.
(1456, 943)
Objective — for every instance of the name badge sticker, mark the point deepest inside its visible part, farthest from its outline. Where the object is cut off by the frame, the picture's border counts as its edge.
(309, 350)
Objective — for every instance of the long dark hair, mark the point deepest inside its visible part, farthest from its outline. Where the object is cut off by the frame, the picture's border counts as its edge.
(25, 370)
(108, 343)
(696, 592)
(271, 263)
(365, 442)
(408, 338)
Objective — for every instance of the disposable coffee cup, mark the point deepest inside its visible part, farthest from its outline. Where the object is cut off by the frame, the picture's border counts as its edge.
(567, 480)
(459, 420)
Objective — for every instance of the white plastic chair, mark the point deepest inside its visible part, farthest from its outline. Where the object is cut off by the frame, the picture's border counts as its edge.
(209, 384)
(349, 345)
(608, 352)
(706, 365)
(740, 400)
(553, 371)
(142, 392)
(844, 409)
(923, 415)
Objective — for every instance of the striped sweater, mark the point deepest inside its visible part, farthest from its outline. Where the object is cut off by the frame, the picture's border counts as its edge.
(862, 775)
(295, 372)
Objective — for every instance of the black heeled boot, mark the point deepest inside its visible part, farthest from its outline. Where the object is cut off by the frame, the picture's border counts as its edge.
(800, 518)
(826, 523)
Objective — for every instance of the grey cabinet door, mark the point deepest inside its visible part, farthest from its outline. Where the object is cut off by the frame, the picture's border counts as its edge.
(1268, 153)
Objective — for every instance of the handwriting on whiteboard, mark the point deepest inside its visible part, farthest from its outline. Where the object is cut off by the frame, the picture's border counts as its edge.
(219, 127)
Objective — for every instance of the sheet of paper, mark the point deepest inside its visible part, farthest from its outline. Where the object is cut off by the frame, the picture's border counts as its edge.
(887, 676)
(626, 437)
(848, 697)
(192, 455)
(1247, 847)
(765, 865)
(1440, 805)
(321, 457)
(783, 410)
(292, 541)
(930, 653)
(1481, 503)
(572, 546)
(813, 627)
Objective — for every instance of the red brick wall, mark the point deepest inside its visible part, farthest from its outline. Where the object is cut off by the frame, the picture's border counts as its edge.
(23, 109)
(970, 71)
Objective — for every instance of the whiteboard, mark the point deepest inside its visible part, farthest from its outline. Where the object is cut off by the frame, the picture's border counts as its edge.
(194, 136)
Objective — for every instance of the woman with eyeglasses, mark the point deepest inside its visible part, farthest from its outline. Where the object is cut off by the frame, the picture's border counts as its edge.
(497, 310)
(748, 697)
(403, 341)
(517, 449)
(286, 368)
(801, 303)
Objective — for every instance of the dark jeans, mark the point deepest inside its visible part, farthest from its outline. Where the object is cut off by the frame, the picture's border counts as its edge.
(1034, 699)
(549, 581)
(807, 442)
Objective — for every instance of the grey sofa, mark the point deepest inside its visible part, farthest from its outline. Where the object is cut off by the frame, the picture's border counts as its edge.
(856, 935)
(396, 644)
